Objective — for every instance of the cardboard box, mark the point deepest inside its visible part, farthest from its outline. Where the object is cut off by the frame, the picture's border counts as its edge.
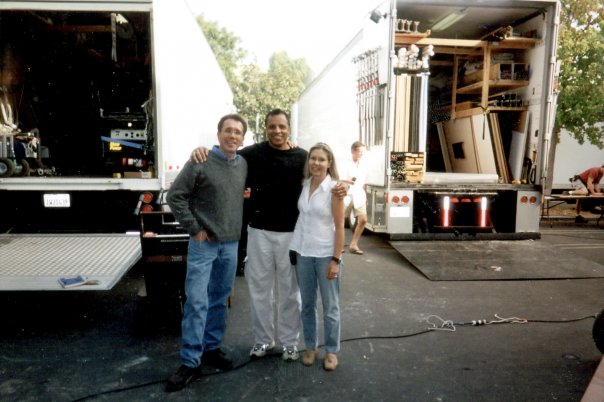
(138, 175)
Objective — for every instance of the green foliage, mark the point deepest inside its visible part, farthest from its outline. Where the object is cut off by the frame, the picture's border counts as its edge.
(581, 52)
(225, 46)
(256, 92)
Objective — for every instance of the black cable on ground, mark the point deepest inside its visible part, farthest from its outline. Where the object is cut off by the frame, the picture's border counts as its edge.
(446, 325)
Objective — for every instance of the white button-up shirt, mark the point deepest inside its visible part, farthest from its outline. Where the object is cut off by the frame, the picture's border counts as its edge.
(314, 235)
(356, 191)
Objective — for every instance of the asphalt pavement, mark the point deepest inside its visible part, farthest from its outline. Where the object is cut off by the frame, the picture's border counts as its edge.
(402, 338)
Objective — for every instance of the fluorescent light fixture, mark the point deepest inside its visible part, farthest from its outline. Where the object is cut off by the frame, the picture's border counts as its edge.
(448, 20)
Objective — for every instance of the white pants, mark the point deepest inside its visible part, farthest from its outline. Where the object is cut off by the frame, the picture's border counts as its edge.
(267, 258)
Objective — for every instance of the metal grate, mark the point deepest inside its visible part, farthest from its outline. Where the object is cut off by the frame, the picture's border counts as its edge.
(27, 257)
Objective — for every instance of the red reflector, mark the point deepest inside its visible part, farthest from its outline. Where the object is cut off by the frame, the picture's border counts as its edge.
(477, 199)
(146, 208)
(405, 199)
(395, 199)
(147, 198)
(533, 200)
(454, 200)
(524, 199)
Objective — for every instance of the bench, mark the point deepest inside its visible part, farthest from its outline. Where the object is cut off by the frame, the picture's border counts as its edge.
(553, 200)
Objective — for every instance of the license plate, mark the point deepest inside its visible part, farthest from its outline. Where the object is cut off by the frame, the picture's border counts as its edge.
(57, 201)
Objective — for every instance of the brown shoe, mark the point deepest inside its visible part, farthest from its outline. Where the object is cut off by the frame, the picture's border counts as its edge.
(331, 362)
(309, 357)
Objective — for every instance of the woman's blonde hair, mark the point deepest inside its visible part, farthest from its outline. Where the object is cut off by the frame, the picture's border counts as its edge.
(332, 170)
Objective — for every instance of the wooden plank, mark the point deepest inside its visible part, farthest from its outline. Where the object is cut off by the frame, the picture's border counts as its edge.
(500, 160)
(401, 40)
(443, 147)
(508, 43)
(495, 85)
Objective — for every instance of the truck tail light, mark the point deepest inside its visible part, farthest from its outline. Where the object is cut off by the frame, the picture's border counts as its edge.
(446, 208)
(483, 212)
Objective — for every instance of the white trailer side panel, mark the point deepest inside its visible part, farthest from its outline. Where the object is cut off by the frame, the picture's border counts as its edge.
(191, 90)
(573, 158)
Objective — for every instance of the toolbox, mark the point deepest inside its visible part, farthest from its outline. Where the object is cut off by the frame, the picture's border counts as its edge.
(164, 246)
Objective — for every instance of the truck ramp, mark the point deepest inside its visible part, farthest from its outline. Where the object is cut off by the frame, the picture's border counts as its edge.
(495, 260)
(36, 262)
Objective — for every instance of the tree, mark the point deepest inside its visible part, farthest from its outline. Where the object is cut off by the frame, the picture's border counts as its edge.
(256, 92)
(581, 52)
(226, 48)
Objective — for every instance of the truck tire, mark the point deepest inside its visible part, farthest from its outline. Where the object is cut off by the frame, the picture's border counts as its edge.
(352, 220)
(22, 168)
(6, 167)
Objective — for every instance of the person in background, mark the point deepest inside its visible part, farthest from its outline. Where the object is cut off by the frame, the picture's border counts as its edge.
(353, 173)
(207, 200)
(318, 240)
(590, 185)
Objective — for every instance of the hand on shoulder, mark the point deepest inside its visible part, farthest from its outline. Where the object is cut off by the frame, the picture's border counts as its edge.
(199, 155)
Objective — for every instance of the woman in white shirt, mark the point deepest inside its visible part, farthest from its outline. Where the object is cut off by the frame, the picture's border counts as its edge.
(318, 241)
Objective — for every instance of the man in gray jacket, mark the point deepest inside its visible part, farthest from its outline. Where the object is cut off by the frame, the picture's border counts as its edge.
(207, 200)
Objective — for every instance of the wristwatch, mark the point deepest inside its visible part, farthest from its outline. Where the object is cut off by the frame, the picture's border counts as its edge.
(336, 259)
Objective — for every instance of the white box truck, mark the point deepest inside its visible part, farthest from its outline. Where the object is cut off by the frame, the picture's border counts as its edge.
(100, 105)
(455, 102)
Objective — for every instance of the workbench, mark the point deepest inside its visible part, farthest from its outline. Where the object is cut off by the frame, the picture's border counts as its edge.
(553, 200)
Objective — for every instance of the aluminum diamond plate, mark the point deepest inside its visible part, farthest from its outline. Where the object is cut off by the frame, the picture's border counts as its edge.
(35, 262)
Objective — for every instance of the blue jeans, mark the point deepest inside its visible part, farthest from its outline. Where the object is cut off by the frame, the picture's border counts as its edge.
(211, 269)
(312, 273)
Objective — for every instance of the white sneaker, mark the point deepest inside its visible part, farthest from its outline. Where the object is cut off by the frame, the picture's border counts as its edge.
(261, 349)
(290, 353)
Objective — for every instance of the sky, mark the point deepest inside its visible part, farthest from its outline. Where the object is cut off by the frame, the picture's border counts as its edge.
(315, 30)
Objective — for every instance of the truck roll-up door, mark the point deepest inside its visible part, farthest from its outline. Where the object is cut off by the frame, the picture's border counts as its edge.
(36, 262)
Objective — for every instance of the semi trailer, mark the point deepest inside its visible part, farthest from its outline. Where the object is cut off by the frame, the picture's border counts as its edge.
(455, 103)
(101, 103)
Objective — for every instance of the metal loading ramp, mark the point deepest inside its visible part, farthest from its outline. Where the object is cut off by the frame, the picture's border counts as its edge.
(495, 260)
(36, 262)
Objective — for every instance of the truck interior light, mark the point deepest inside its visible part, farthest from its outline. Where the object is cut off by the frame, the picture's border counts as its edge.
(448, 20)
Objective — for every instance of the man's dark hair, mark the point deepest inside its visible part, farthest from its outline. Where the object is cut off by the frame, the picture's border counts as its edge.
(233, 116)
(276, 112)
